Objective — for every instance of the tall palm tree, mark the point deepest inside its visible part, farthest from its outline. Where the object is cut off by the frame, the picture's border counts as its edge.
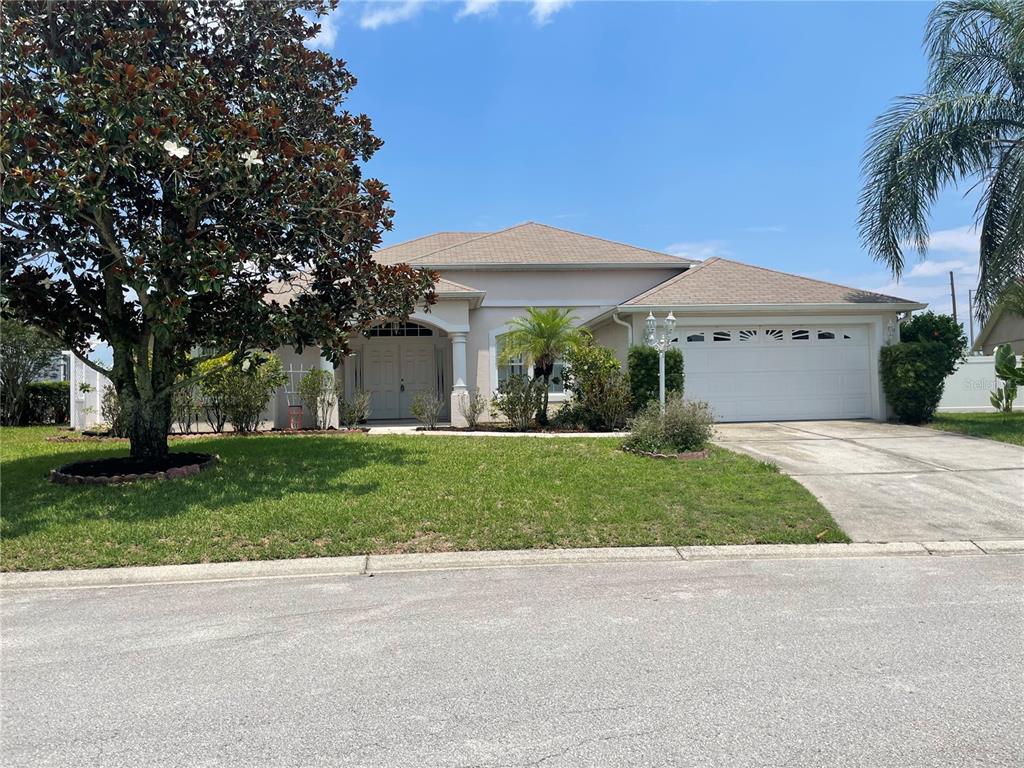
(968, 126)
(539, 339)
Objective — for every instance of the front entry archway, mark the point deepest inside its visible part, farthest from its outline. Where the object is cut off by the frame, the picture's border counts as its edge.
(399, 360)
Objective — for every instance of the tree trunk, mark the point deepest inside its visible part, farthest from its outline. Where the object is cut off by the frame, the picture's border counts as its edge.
(148, 426)
(542, 413)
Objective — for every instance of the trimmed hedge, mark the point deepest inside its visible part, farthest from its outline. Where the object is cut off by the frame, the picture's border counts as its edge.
(913, 377)
(47, 402)
(643, 374)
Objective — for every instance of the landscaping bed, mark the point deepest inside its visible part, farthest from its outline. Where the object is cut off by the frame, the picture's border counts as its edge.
(1004, 427)
(284, 496)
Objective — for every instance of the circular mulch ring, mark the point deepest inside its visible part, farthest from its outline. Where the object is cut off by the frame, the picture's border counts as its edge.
(125, 469)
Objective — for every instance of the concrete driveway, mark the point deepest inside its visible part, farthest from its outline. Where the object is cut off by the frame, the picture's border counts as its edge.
(890, 482)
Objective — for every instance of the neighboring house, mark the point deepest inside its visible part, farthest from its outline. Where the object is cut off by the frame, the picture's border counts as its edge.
(58, 369)
(1003, 327)
(757, 344)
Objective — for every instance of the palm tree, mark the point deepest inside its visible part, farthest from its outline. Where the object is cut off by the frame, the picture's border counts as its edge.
(968, 126)
(539, 339)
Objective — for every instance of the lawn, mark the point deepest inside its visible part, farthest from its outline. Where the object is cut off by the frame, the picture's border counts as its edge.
(1004, 427)
(301, 496)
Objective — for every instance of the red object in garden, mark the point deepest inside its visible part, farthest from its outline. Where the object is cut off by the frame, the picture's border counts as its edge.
(294, 417)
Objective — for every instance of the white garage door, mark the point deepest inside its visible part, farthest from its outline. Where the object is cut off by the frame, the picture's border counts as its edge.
(776, 372)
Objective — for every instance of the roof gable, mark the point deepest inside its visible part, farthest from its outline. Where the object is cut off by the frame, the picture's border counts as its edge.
(529, 244)
(722, 281)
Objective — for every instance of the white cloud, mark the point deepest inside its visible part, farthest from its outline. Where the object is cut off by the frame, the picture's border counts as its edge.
(957, 240)
(702, 249)
(477, 8)
(381, 14)
(543, 10)
(933, 268)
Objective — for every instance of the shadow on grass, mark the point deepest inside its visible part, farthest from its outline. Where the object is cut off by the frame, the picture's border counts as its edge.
(251, 470)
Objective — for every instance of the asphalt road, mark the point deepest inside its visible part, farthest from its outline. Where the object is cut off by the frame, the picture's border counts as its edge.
(915, 661)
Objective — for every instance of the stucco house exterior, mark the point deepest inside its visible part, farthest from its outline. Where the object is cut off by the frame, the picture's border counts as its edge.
(1003, 327)
(757, 344)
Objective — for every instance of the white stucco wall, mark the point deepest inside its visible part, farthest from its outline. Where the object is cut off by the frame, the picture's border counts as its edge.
(967, 390)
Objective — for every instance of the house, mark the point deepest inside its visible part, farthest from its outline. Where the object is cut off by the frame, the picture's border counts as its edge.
(1004, 327)
(757, 344)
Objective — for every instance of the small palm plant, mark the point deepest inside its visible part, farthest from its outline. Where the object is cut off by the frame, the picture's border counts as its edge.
(968, 126)
(539, 339)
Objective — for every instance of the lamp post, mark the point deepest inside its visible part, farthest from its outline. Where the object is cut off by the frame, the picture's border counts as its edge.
(661, 343)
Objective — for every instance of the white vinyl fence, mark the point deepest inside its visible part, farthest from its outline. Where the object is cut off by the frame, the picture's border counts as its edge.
(87, 387)
(969, 387)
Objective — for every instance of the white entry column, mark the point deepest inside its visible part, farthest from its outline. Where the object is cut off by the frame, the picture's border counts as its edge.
(327, 366)
(459, 389)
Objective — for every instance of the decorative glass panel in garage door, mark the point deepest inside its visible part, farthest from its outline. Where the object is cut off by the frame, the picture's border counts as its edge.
(771, 372)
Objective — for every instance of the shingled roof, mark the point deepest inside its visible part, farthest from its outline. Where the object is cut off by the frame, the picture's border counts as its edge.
(522, 245)
(722, 282)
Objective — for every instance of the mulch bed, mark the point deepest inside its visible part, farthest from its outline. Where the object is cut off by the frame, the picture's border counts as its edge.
(124, 469)
(86, 437)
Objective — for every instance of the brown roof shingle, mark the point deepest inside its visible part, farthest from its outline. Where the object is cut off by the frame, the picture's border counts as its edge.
(524, 244)
(721, 281)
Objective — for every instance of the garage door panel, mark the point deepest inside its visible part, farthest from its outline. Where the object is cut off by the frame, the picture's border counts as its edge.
(759, 372)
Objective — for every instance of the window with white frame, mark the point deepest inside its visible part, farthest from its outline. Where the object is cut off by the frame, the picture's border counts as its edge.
(515, 367)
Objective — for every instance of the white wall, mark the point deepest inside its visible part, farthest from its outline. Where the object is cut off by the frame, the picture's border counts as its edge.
(969, 387)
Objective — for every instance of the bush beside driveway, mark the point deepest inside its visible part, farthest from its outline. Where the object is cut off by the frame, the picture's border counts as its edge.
(302, 496)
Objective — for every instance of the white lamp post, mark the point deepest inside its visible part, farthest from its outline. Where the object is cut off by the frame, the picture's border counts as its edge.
(662, 344)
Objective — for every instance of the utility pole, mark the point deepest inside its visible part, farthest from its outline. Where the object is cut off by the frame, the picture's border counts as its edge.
(952, 293)
(970, 308)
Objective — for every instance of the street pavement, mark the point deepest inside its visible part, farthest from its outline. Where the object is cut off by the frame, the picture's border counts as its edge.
(879, 661)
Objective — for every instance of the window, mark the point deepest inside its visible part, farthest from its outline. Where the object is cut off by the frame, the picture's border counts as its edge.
(695, 338)
(748, 334)
(396, 328)
(801, 334)
(774, 334)
(516, 368)
(826, 336)
(722, 336)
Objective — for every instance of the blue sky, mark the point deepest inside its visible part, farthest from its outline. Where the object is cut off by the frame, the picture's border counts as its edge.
(731, 129)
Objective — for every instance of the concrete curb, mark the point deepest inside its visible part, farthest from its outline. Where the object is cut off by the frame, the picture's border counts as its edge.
(363, 565)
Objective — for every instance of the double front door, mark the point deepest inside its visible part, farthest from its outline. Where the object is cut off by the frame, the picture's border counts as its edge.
(394, 372)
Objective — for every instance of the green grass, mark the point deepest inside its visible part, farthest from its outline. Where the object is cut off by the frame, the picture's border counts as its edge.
(299, 496)
(1004, 427)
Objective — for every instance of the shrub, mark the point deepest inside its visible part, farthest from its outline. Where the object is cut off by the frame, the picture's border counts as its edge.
(941, 329)
(472, 407)
(317, 392)
(518, 399)
(352, 412)
(25, 353)
(601, 396)
(913, 376)
(426, 407)
(213, 390)
(115, 413)
(47, 402)
(686, 425)
(643, 374)
(186, 405)
(249, 390)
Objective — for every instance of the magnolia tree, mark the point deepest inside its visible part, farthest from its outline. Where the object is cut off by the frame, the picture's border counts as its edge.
(182, 177)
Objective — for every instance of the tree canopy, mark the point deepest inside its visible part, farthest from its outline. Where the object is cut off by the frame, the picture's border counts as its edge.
(968, 126)
(182, 176)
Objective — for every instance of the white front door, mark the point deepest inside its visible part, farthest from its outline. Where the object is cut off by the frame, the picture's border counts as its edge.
(778, 372)
(382, 380)
(417, 372)
(394, 372)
